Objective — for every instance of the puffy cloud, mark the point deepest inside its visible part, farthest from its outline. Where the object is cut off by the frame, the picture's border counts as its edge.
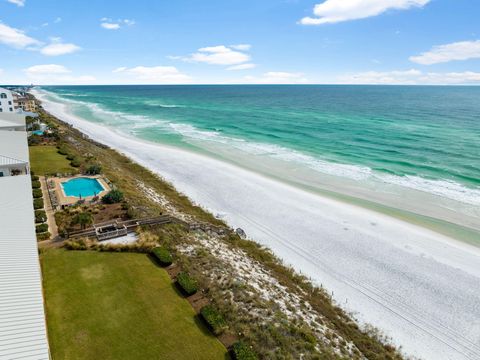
(110, 24)
(19, 3)
(15, 37)
(242, 66)
(462, 50)
(155, 74)
(278, 77)
(241, 47)
(55, 74)
(411, 77)
(334, 11)
(58, 48)
(217, 55)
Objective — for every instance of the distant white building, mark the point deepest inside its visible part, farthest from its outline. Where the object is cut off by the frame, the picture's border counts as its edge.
(6, 101)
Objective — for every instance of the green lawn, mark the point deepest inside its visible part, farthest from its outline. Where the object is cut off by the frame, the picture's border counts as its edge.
(119, 306)
(45, 160)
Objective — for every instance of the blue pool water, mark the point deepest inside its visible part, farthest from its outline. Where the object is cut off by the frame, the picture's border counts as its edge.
(82, 187)
(38, 132)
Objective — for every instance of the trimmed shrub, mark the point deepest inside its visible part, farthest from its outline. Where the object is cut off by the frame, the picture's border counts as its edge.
(62, 151)
(76, 162)
(34, 177)
(40, 216)
(37, 193)
(214, 319)
(163, 256)
(187, 284)
(41, 228)
(37, 204)
(36, 184)
(70, 157)
(113, 197)
(240, 351)
(94, 169)
(43, 236)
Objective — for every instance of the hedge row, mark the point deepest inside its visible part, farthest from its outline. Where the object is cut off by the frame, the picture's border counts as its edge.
(240, 351)
(214, 319)
(36, 184)
(43, 236)
(38, 204)
(40, 216)
(187, 284)
(41, 228)
(37, 193)
(163, 256)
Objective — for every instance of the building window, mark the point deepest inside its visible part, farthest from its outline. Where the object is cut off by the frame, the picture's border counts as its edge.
(9, 103)
(11, 109)
(1, 110)
(3, 96)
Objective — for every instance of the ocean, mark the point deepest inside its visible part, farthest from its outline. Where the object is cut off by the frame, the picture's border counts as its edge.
(366, 190)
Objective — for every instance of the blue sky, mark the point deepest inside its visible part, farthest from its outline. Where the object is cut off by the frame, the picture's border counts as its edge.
(240, 41)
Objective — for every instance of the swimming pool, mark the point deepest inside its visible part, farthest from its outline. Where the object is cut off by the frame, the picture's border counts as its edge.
(37, 132)
(82, 187)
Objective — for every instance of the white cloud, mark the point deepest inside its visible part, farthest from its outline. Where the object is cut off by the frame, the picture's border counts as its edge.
(334, 11)
(15, 37)
(242, 66)
(411, 77)
(20, 3)
(58, 48)
(57, 20)
(110, 26)
(241, 47)
(278, 77)
(155, 74)
(216, 55)
(462, 50)
(55, 74)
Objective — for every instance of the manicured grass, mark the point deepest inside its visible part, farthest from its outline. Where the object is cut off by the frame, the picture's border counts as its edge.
(45, 160)
(119, 306)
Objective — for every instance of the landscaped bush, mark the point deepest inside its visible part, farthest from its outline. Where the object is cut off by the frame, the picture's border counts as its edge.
(34, 177)
(94, 169)
(36, 184)
(41, 228)
(62, 151)
(187, 284)
(43, 236)
(113, 197)
(40, 216)
(70, 157)
(214, 319)
(241, 351)
(76, 162)
(37, 193)
(37, 204)
(163, 256)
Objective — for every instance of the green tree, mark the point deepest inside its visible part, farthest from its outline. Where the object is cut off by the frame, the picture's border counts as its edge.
(83, 219)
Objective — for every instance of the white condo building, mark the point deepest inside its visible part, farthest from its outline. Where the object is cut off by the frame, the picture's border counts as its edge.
(6, 101)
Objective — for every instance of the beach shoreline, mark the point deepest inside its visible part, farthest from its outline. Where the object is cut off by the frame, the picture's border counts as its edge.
(277, 215)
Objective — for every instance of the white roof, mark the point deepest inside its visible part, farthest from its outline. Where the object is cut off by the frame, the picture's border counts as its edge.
(23, 332)
(11, 119)
(14, 145)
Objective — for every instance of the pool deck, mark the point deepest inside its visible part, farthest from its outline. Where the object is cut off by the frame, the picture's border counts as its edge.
(63, 199)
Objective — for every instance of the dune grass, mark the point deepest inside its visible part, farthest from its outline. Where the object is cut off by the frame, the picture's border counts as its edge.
(44, 160)
(119, 306)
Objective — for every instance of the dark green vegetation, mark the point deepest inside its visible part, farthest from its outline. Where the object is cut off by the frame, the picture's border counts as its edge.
(41, 228)
(119, 306)
(214, 319)
(241, 351)
(37, 193)
(36, 184)
(40, 216)
(188, 285)
(38, 204)
(113, 197)
(163, 256)
(45, 160)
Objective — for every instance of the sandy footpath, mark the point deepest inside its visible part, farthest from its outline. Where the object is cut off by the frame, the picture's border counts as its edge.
(419, 287)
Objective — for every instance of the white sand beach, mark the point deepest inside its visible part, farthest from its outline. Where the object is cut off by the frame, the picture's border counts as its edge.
(419, 287)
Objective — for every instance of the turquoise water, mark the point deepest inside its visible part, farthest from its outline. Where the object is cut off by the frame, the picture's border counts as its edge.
(82, 187)
(422, 138)
(38, 132)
